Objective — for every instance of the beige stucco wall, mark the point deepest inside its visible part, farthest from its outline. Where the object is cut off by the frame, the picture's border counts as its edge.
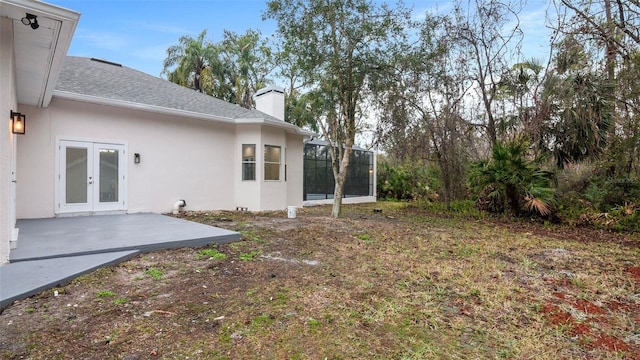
(270, 195)
(295, 173)
(8, 102)
(273, 194)
(181, 158)
(247, 193)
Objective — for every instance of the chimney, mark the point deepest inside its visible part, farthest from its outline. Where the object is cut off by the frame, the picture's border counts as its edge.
(270, 100)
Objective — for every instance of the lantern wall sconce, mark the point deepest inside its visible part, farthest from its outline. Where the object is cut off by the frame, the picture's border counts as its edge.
(136, 158)
(18, 121)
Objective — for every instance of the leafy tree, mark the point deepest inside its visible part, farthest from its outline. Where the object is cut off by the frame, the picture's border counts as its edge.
(608, 31)
(576, 108)
(250, 61)
(488, 34)
(232, 70)
(421, 107)
(337, 45)
(519, 91)
(298, 110)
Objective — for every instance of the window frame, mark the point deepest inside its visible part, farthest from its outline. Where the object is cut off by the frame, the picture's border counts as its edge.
(251, 163)
(279, 162)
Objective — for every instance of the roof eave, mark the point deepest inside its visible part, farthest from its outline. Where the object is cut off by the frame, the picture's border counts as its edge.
(65, 21)
(293, 129)
(67, 29)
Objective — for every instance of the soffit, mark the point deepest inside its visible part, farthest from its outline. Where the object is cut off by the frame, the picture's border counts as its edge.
(38, 52)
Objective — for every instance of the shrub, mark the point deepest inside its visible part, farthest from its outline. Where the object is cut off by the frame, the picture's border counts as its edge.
(407, 181)
(508, 182)
(619, 192)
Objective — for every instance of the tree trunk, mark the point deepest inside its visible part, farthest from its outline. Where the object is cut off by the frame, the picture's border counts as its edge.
(338, 192)
(340, 178)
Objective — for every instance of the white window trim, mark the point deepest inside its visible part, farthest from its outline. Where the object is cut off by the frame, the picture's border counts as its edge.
(254, 162)
(279, 163)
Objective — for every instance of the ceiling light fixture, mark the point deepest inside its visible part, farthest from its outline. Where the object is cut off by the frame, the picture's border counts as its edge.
(32, 20)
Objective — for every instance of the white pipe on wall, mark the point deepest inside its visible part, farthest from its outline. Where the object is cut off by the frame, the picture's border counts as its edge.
(178, 205)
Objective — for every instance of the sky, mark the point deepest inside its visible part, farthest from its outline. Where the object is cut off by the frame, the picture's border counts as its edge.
(137, 33)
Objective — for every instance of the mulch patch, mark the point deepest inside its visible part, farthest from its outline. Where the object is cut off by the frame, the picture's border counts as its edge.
(635, 273)
(583, 330)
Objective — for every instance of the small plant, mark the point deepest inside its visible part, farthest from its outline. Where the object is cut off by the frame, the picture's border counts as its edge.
(238, 245)
(313, 323)
(156, 274)
(30, 310)
(250, 255)
(364, 237)
(120, 301)
(262, 321)
(105, 293)
(250, 235)
(211, 253)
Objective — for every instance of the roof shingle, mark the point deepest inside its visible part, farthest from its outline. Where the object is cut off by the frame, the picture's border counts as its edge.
(110, 81)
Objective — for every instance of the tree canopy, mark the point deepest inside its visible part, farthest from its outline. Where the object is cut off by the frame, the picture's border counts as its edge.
(338, 45)
(452, 90)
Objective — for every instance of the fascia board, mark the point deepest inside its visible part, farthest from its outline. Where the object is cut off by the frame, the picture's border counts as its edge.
(51, 10)
(142, 107)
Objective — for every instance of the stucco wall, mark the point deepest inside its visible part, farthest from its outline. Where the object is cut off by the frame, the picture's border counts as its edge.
(7, 145)
(273, 194)
(195, 160)
(295, 173)
(248, 192)
(180, 158)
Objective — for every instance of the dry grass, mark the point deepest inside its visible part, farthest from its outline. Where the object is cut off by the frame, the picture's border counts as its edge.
(393, 285)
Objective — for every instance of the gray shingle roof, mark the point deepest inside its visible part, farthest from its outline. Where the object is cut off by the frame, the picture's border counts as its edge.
(87, 76)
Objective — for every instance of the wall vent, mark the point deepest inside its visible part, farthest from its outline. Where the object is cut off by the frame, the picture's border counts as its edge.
(106, 62)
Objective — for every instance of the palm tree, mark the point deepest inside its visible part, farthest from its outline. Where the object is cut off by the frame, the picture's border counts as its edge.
(507, 181)
(249, 59)
(191, 57)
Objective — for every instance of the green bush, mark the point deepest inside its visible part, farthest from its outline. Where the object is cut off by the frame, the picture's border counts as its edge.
(629, 223)
(407, 181)
(620, 192)
(508, 182)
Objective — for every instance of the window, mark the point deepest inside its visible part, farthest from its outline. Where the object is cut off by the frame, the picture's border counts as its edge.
(248, 161)
(271, 162)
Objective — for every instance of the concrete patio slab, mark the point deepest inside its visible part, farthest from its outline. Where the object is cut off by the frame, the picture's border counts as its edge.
(83, 235)
(52, 252)
(26, 278)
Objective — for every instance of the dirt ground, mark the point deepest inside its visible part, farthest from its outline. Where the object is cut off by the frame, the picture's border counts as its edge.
(386, 281)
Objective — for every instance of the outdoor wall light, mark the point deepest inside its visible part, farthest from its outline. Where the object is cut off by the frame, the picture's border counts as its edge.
(136, 158)
(18, 123)
(32, 20)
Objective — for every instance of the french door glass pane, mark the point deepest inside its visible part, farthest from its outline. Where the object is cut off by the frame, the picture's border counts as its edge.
(76, 175)
(108, 175)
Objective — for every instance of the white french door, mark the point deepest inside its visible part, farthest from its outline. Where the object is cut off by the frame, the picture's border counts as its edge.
(91, 177)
